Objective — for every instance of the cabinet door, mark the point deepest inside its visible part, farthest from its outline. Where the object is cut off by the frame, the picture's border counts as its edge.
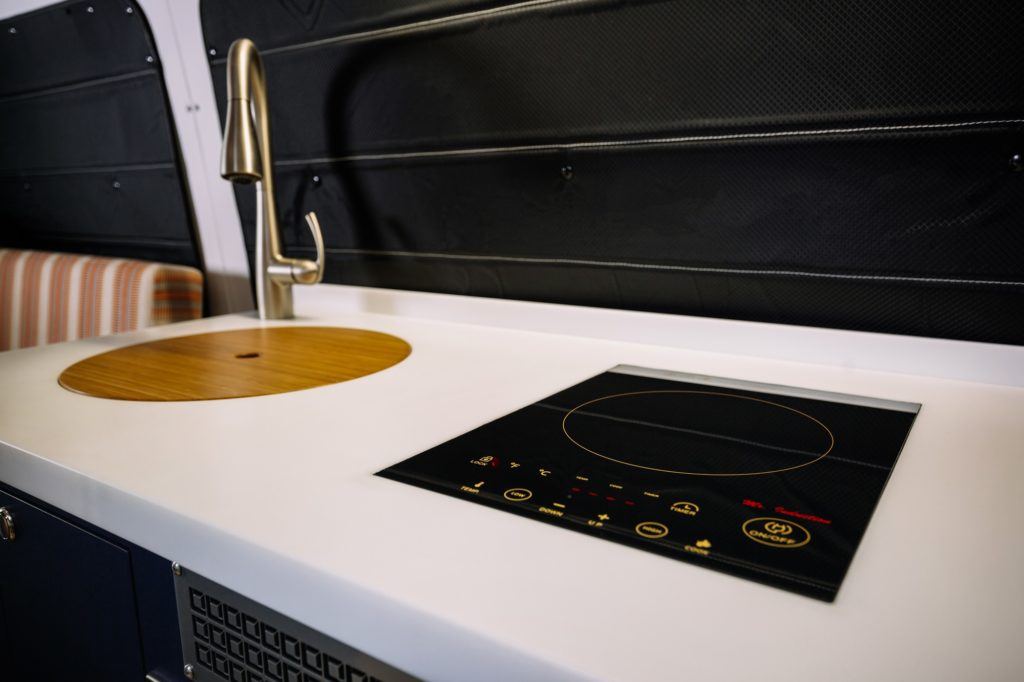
(68, 606)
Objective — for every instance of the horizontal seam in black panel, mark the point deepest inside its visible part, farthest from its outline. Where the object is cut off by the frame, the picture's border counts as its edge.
(668, 141)
(439, 22)
(116, 239)
(86, 170)
(80, 85)
(531, 260)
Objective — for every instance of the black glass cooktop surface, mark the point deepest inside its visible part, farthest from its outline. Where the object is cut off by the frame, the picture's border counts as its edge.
(769, 483)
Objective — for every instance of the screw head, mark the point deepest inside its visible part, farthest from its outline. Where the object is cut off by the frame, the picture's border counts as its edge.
(176, 568)
(129, 10)
(1017, 163)
(316, 180)
(568, 172)
(116, 184)
(12, 30)
(149, 59)
(90, 9)
(213, 51)
(190, 672)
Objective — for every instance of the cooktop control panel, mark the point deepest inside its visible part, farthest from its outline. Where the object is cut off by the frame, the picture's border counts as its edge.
(770, 483)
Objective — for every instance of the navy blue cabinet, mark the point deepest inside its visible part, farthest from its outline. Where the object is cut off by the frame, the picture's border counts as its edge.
(77, 603)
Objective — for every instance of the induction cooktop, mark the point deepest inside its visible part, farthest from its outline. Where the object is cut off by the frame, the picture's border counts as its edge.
(770, 483)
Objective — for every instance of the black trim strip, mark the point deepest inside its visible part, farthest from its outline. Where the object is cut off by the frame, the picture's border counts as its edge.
(80, 85)
(670, 141)
(86, 170)
(114, 239)
(758, 272)
(422, 26)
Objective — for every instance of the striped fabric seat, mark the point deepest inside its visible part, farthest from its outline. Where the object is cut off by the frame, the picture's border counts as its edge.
(48, 297)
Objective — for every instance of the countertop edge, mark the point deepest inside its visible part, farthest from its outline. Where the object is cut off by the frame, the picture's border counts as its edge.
(399, 634)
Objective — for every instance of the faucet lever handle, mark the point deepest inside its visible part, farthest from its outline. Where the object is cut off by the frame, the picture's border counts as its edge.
(318, 239)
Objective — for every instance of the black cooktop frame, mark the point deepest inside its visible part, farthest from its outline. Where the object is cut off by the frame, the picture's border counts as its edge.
(796, 527)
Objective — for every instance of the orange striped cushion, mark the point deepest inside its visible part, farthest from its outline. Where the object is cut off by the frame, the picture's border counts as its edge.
(50, 297)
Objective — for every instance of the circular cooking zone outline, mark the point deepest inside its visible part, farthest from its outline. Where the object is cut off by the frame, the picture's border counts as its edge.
(579, 408)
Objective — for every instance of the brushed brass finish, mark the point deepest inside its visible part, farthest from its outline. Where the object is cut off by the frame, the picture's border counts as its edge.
(235, 364)
(6, 525)
(246, 157)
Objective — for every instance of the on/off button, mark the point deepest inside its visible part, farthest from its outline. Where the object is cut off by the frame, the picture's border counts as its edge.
(651, 529)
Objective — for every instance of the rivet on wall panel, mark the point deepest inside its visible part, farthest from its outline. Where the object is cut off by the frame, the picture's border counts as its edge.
(12, 30)
(316, 180)
(128, 10)
(149, 59)
(213, 51)
(116, 184)
(1017, 163)
(90, 9)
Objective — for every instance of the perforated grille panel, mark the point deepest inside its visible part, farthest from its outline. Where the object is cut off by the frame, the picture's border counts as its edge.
(226, 636)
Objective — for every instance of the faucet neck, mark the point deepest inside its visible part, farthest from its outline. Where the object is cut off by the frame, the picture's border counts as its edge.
(248, 156)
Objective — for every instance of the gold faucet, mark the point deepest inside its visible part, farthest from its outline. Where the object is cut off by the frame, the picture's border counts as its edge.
(246, 158)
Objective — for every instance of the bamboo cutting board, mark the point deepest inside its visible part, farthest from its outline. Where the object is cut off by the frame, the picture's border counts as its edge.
(235, 364)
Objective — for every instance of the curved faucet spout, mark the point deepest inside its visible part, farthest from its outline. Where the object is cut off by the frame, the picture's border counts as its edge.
(246, 157)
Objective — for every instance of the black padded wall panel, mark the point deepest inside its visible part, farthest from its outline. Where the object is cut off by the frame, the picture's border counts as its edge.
(596, 69)
(66, 43)
(88, 158)
(796, 162)
(139, 219)
(105, 124)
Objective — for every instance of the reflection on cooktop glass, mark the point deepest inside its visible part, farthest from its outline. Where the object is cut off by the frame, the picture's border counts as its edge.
(769, 483)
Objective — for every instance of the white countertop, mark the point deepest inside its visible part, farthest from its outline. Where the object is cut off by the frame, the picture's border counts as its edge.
(274, 497)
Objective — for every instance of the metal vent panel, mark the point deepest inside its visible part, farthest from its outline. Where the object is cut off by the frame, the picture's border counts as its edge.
(225, 636)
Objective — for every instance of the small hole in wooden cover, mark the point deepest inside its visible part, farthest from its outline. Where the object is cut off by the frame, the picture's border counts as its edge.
(246, 356)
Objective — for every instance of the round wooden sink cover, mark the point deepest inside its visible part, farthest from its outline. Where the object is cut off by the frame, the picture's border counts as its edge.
(235, 364)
